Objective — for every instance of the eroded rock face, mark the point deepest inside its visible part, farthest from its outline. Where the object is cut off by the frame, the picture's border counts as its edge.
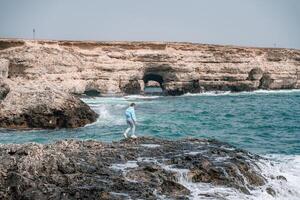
(153, 84)
(4, 64)
(4, 90)
(145, 168)
(117, 68)
(41, 106)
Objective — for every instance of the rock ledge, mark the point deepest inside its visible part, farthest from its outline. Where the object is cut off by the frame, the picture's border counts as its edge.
(145, 168)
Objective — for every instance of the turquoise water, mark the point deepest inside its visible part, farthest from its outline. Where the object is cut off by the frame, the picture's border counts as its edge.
(262, 122)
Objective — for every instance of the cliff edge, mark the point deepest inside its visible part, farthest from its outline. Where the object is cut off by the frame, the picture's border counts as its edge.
(117, 68)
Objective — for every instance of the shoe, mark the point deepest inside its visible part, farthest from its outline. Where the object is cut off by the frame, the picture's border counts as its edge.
(125, 135)
(134, 136)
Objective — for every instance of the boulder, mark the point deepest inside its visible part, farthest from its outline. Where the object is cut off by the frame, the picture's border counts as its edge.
(33, 106)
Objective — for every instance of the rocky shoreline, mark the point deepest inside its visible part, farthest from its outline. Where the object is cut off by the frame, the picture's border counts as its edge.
(145, 168)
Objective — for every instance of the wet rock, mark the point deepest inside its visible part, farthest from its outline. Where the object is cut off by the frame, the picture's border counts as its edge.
(281, 178)
(271, 192)
(95, 170)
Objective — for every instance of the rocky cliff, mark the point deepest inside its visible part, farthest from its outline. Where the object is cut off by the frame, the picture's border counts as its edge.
(116, 68)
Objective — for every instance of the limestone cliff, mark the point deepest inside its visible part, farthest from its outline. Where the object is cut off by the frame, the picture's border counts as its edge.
(116, 68)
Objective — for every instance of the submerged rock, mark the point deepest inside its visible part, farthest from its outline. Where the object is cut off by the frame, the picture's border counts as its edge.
(145, 168)
(37, 105)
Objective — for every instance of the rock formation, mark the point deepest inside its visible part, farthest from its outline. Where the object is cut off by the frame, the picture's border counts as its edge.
(144, 168)
(40, 105)
(152, 84)
(116, 68)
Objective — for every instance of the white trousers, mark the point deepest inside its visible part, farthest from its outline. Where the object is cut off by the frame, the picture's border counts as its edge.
(131, 127)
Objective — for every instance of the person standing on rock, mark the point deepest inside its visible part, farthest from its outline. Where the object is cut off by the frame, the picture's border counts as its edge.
(130, 120)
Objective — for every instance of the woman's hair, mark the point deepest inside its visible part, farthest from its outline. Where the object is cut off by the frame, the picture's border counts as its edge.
(132, 104)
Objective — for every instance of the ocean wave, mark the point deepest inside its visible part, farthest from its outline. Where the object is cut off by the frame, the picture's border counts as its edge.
(228, 93)
(282, 173)
(109, 115)
(97, 100)
(141, 97)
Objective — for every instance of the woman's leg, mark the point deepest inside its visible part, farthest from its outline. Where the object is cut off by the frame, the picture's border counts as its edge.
(131, 125)
(126, 132)
(133, 129)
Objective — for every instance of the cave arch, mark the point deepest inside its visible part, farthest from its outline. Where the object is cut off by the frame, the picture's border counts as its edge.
(92, 93)
(92, 90)
(153, 88)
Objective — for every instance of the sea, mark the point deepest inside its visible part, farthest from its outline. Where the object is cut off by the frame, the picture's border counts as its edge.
(263, 122)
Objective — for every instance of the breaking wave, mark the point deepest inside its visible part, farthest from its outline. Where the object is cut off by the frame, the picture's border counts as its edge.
(281, 172)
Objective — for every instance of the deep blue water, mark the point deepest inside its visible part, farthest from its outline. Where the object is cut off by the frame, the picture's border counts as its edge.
(262, 122)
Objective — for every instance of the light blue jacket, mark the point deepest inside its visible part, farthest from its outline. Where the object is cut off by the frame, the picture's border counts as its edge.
(130, 114)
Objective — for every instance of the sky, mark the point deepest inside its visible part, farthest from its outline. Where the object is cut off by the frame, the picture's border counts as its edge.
(262, 23)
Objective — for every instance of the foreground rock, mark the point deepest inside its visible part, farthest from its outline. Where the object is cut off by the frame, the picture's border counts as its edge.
(116, 68)
(144, 168)
(39, 105)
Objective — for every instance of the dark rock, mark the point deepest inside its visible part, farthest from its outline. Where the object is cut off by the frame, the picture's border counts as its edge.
(255, 74)
(132, 87)
(281, 178)
(185, 87)
(265, 81)
(271, 192)
(4, 90)
(94, 170)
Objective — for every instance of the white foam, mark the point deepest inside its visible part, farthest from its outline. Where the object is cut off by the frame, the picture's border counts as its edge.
(275, 165)
(150, 145)
(281, 165)
(203, 190)
(141, 97)
(124, 166)
(107, 116)
(228, 93)
(278, 165)
(193, 153)
(120, 194)
(210, 93)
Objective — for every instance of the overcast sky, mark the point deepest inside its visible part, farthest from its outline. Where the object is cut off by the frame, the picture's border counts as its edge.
(237, 22)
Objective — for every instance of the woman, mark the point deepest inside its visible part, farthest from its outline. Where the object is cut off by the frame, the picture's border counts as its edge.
(130, 120)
